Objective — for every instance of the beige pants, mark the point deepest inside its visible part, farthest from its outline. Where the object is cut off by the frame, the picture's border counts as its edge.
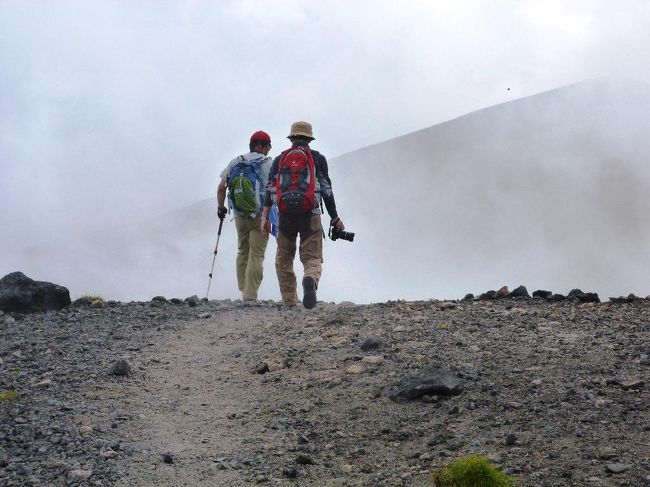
(250, 257)
(311, 252)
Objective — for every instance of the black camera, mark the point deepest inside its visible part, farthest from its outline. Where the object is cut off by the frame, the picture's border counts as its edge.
(335, 234)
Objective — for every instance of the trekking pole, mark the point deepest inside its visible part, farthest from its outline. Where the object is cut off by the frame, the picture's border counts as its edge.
(216, 247)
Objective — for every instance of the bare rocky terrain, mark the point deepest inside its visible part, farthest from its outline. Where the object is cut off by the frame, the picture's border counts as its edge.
(216, 393)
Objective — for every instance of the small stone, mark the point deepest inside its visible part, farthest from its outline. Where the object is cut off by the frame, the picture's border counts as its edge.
(204, 316)
(120, 368)
(633, 384)
(495, 458)
(372, 343)
(373, 359)
(42, 384)
(511, 439)
(193, 301)
(607, 453)
(98, 304)
(447, 306)
(168, 459)
(399, 329)
(290, 473)
(355, 369)
(109, 454)
(304, 460)
(85, 429)
(79, 475)
(276, 362)
(261, 368)
(617, 467)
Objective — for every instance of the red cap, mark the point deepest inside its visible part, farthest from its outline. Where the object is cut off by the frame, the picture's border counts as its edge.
(260, 136)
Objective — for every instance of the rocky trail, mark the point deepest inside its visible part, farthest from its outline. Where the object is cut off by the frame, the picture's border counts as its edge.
(220, 394)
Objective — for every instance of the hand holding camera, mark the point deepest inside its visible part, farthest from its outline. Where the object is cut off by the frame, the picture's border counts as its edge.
(337, 230)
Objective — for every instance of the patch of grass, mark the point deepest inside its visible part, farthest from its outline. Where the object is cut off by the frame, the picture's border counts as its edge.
(8, 396)
(472, 471)
(92, 298)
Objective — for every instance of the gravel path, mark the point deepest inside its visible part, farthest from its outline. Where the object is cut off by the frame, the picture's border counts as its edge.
(220, 394)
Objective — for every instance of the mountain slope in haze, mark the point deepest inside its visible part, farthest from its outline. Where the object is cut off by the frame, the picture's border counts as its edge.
(549, 191)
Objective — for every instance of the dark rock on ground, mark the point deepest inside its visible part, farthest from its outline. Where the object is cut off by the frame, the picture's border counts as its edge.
(193, 301)
(432, 381)
(372, 343)
(489, 295)
(540, 293)
(574, 293)
(583, 297)
(304, 460)
(83, 301)
(120, 368)
(21, 294)
(519, 292)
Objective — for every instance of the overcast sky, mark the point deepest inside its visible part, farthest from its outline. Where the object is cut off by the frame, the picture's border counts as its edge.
(138, 104)
(115, 111)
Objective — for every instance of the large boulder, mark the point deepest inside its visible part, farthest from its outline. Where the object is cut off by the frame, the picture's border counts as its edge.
(21, 294)
(434, 380)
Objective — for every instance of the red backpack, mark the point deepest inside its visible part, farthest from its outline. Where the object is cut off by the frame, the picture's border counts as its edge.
(295, 182)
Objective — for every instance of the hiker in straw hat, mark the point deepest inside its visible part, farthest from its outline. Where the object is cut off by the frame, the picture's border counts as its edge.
(299, 183)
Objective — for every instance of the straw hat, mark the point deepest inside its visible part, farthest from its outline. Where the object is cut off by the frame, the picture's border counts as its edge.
(301, 129)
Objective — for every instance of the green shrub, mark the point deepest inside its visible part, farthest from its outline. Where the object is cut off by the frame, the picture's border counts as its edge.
(91, 298)
(8, 396)
(472, 471)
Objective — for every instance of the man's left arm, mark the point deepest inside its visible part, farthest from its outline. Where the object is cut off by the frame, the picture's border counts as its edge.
(326, 191)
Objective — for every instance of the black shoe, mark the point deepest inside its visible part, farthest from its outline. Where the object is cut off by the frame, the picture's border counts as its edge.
(308, 292)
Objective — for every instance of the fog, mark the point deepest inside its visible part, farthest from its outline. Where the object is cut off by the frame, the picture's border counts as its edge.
(116, 119)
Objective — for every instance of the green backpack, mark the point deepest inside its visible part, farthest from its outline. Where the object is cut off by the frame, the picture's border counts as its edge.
(245, 187)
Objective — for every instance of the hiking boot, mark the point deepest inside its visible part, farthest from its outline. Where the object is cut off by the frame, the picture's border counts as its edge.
(308, 292)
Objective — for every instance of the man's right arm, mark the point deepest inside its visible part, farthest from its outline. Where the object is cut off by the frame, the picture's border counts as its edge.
(221, 194)
(222, 211)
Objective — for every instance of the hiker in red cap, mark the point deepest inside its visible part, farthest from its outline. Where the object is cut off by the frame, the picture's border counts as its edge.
(245, 178)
